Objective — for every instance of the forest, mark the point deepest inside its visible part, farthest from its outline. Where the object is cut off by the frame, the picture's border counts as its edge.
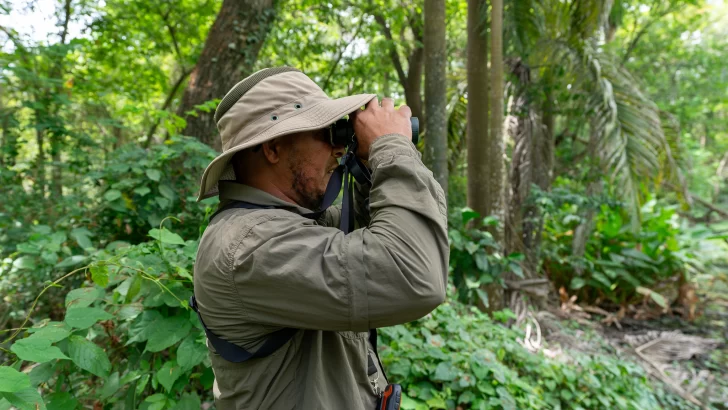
(582, 146)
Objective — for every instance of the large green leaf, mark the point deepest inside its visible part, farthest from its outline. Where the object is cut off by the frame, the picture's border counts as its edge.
(100, 274)
(34, 349)
(53, 332)
(154, 174)
(188, 401)
(111, 386)
(85, 317)
(168, 374)
(27, 399)
(88, 356)
(71, 261)
(190, 353)
(61, 401)
(166, 236)
(167, 332)
(143, 325)
(445, 371)
(82, 297)
(12, 381)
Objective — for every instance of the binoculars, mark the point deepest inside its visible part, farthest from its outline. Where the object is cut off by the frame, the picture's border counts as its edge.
(342, 132)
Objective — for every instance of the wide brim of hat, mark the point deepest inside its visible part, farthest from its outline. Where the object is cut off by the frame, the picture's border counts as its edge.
(315, 117)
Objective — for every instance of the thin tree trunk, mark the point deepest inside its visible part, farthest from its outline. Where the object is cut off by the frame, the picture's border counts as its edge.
(496, 146)
(229, 55)
(477, 116)
(40, 177)
(530, 165)
(436, 90)
(477, 130)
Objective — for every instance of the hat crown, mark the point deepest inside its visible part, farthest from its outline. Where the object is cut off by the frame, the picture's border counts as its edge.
(262, 100)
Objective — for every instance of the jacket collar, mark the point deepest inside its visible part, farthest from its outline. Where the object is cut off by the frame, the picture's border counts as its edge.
(233, 191)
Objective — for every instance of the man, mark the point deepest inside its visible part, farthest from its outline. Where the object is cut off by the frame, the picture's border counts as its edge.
(272, 267)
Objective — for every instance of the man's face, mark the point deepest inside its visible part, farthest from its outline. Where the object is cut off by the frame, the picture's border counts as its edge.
(311, 160)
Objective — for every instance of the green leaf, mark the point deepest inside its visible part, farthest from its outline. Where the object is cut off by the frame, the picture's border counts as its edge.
(445, 371)
(88, 356)
(517, 270)
(41, 373)
(85, 317)
(12, 381)
(189, 401)
(412, 404)
(71, 261)
(577, 283)
(190, 353)
(166, 192)
(81, 235)
(656, 297)
(483, 297)
(129, 312)
(53, 332)
(481, 260)
(469, 214)
(166, 236)
(142, 190)
(27, 399)
(154, 174)
(167, 332)
(156, 401)
(112, 195)
(100, 274)
(168, 374)
(61, 401)
(82, 297)
(36, 350)
(111, 386)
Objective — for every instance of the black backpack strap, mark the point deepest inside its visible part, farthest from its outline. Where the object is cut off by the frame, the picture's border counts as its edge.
(236, 354)
(230, 351)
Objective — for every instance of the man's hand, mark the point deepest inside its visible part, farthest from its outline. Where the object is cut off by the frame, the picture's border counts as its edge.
(375, 121)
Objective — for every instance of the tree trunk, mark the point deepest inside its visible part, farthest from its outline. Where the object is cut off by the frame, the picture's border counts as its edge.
(477, 116)
(496, 149)
(229, 55)
(436, 90)
(531, 163)
(479, 177)
(40, 177)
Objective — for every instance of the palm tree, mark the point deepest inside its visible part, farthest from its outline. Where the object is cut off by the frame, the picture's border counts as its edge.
(558, 50)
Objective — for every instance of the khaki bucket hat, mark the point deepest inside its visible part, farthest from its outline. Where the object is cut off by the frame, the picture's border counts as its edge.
(269, 104)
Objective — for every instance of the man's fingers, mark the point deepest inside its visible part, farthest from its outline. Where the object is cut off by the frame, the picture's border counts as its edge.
(387, 103)
(373, 104)
(405, 110)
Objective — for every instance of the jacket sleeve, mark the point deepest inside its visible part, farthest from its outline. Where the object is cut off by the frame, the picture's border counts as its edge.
(290, 271)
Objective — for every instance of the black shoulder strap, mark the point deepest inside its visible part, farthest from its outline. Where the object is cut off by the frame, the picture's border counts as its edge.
(236, 354)
(230, 351)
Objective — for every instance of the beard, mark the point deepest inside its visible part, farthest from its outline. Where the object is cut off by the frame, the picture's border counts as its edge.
(304, 186)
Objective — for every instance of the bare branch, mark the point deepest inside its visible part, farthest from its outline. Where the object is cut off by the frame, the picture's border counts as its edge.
(168, 102)
(173, 35)
(393, 50)
(345, 45)
(66, 19)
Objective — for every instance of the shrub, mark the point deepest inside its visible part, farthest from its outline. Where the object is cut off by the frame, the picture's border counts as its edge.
(458, 357)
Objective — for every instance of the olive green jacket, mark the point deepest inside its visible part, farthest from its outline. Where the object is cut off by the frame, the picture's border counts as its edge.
(258, 271)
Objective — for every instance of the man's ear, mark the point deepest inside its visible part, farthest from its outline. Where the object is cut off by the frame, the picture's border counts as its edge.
(272, 150)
